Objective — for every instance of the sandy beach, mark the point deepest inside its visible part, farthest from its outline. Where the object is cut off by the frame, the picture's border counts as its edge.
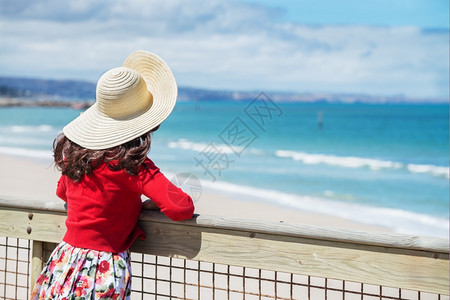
(26, 178)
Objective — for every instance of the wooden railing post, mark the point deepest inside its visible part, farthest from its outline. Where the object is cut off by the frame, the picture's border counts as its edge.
(36, 262)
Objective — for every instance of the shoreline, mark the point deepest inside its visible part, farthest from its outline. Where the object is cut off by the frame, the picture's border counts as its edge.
(25, 102)
(29, 178)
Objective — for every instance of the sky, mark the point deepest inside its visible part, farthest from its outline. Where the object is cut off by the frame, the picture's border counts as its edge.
(377, 47)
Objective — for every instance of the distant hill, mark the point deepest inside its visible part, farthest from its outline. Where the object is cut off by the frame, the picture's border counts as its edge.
(29, 89)
(73, 90)
(40, 88)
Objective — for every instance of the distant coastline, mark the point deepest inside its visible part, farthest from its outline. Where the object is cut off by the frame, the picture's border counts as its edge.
(20, 102)
(16, 91)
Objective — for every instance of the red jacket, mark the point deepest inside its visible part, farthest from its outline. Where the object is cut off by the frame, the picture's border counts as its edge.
(103, 208)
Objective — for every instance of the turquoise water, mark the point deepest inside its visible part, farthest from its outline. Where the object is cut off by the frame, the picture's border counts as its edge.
(379, 164)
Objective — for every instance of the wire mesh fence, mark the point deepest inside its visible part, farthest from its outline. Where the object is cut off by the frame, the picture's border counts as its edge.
(15, 257)
(158, 277)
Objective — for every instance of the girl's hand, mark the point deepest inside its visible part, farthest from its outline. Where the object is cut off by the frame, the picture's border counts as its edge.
(149, 205)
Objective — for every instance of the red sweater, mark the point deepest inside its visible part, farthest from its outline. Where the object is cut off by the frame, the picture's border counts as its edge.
(103, 208)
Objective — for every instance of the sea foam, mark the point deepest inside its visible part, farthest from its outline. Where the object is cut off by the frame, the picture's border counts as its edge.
(31, 153)
(359, 162)
(313, 158)
(200, 147)
(400, 221)
(434, 170)
(23, 129)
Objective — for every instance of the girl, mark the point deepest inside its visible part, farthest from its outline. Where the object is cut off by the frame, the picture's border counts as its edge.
(102, 155)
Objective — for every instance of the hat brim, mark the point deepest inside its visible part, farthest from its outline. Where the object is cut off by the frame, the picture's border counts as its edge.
(96, 131)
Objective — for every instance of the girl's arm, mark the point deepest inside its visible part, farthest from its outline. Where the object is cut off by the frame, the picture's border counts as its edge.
(172, 201)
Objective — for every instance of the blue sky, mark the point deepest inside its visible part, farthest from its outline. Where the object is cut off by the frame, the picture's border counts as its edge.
(425, 14)
(376, 47)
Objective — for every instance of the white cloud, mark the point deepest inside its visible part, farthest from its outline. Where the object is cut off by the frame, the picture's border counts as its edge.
(222, 45)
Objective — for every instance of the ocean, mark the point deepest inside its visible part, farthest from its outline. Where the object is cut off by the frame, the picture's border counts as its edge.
(379, 164)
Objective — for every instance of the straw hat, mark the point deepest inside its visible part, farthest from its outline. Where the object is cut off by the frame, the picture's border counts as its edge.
(131, 100)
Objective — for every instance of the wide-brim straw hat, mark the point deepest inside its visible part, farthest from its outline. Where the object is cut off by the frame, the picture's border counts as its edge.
(130, 100)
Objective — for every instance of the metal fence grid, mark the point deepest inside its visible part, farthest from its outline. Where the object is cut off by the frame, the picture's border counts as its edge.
(157, 277)
(15, 258)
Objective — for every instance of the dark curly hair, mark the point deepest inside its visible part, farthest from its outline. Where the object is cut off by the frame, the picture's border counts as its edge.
(75, 161)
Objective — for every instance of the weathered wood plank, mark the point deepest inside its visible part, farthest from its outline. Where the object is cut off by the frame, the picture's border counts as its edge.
(32, 224)
(24, 203)
(401, 268)
(391, 240)
(403, 263)
(380, 239)
(36, 262)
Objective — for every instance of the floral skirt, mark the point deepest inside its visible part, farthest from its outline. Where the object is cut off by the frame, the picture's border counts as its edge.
(76, 273)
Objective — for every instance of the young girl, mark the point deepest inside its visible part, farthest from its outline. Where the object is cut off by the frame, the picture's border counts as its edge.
(105, 169)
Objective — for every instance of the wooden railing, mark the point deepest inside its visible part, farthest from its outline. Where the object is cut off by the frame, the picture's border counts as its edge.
(391, 260)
